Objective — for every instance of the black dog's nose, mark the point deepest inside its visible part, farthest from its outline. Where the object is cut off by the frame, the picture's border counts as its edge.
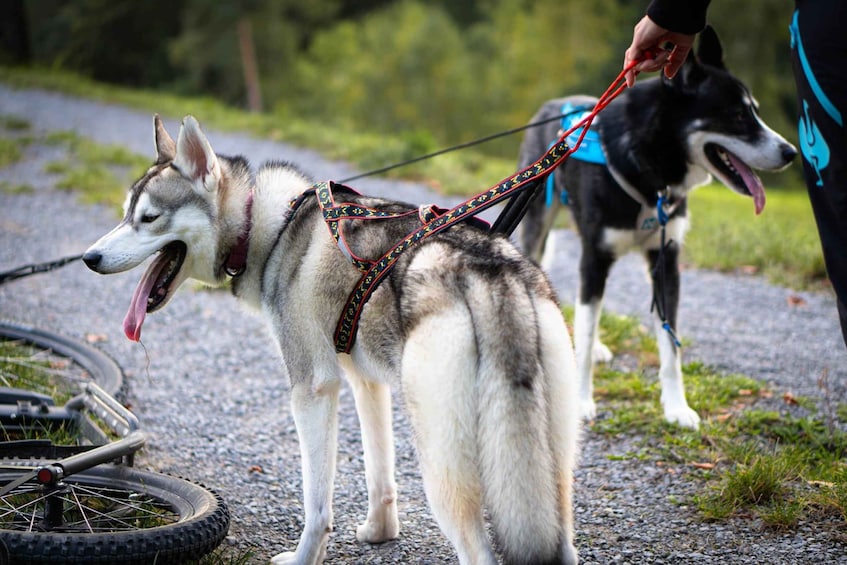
(789, 153)
(92, 259)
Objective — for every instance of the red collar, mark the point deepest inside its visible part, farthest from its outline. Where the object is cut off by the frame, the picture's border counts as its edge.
(236, 263)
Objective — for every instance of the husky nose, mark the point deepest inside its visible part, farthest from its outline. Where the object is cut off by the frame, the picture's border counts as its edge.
(92, 259)
(788, 153)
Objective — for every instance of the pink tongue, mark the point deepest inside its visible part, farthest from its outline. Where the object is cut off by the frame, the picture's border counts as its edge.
(138, 307)
(751, 181)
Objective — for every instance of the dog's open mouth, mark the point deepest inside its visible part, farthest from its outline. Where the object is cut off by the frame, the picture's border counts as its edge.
(154, 288)
(735, 173)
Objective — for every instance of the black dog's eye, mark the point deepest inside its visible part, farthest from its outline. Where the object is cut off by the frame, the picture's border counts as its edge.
(149, 218)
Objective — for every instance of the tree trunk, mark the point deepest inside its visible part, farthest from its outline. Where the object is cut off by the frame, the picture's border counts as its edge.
(248, 63)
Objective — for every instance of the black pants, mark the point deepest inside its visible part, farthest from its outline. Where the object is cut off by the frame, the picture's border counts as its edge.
(819, 50)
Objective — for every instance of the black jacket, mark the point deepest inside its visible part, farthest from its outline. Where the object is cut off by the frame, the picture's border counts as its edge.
(680, 16)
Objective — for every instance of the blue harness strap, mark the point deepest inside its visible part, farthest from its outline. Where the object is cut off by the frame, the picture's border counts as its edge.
(589, 151)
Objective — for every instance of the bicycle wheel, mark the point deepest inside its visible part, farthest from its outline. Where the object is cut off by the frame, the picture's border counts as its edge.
(102, 368)
(109, 514)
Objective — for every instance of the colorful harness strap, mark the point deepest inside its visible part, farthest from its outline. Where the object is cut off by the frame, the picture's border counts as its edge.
(345, 333)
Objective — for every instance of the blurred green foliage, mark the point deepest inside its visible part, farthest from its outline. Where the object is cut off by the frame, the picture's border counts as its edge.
(445, 71)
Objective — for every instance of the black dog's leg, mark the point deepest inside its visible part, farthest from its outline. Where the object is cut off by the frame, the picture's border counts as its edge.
(664, 269)
(538, 221)
(594, 269)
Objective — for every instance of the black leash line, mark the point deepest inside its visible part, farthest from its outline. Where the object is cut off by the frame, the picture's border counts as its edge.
(34, 269)
(450, 149)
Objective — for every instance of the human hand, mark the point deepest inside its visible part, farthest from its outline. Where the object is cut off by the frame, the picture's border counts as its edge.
(648, 39)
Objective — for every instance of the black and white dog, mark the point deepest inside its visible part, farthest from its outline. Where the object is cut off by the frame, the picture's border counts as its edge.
(644, 153)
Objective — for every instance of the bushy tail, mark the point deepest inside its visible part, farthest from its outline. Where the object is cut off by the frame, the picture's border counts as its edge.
(526, 435)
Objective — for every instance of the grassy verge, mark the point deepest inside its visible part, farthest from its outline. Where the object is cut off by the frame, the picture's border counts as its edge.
(27, 368)
(781, 244)
(466, 172)
(778, 461)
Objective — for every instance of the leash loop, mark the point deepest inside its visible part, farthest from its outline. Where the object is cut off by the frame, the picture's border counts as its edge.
(659, 283)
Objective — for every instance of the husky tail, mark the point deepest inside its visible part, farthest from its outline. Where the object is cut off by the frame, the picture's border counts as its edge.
(526, 437)
(495, 419)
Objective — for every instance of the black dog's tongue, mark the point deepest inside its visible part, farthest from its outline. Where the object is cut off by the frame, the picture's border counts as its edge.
(751, 181)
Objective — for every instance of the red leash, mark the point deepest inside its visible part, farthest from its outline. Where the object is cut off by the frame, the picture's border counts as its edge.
(513, 186)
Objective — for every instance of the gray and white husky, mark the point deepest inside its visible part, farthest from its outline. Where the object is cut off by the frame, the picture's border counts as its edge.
(467, 328)
(661, 137)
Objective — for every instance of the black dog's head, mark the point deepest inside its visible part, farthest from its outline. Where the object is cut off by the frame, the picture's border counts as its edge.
(720, 122)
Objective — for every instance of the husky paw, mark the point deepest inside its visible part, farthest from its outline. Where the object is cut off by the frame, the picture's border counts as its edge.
(683, 416)
(601, 353)
(291, 558)
(373, 531)
(587, 410)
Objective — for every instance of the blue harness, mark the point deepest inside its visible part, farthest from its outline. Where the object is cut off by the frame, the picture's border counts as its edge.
(590, 151)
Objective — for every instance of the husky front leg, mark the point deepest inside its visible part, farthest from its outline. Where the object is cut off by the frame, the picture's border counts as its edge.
(664, 269)
(316, 418)
(593, 271)
(373, 405)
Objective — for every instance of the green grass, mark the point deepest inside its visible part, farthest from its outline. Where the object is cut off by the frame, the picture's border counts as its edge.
(782, 243)
(27, 368)
(783, 468)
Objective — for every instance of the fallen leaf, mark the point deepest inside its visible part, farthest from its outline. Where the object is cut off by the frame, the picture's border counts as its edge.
(795, 300)
(706, 466)
(789, 398)
(749, 269)
(96, 338)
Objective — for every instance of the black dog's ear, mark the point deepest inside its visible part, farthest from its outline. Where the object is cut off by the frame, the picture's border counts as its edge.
(709, 51)
(690, 75)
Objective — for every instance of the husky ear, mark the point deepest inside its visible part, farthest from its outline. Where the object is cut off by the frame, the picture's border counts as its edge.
(165, 148)
(709, 50)
(194, 156)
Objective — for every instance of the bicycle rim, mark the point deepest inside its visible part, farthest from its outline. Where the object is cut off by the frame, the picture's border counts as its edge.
(100, 366)
(110, 514)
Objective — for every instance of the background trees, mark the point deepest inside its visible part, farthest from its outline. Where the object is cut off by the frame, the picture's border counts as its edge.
(448, 70)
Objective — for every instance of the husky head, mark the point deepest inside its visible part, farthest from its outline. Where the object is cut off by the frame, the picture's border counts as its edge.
(178, 212)
(726, 136)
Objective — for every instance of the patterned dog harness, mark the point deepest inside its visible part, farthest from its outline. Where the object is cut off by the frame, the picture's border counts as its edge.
(433, 221)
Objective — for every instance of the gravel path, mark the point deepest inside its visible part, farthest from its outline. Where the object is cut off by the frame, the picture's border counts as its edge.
(215, 401)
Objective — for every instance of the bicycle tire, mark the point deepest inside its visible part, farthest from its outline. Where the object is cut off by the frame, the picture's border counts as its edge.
(102, 368)
(202, 524)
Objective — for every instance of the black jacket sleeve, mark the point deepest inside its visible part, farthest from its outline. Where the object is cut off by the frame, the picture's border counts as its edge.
(680, 16)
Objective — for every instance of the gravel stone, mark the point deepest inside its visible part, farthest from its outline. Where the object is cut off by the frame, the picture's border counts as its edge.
(208, 386)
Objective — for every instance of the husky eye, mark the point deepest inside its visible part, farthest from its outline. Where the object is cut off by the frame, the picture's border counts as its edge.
(149, 218)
